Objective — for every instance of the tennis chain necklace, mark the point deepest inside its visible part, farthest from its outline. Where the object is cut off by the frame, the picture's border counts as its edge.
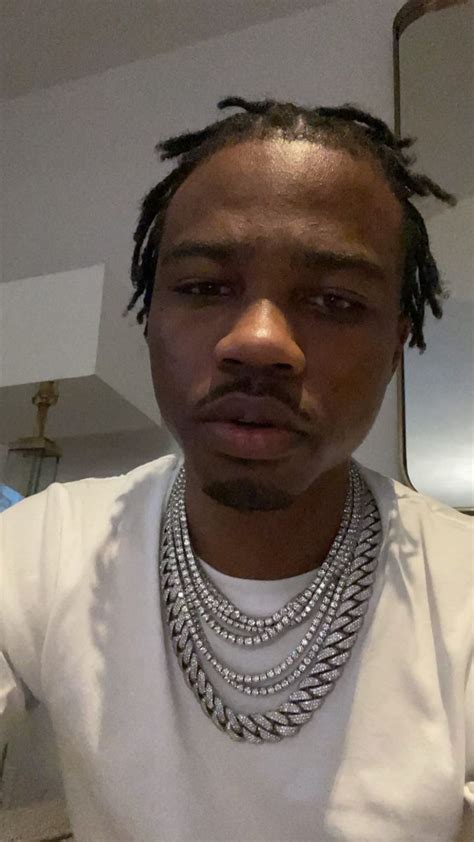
(338, 597)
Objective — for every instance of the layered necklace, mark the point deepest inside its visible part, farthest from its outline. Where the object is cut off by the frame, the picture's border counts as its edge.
(335, 601)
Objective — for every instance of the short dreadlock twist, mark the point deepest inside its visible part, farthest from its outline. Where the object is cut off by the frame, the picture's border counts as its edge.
(344, 127)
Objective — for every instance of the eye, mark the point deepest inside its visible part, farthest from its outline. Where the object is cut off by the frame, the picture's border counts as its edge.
(335, 303)
(203, 289)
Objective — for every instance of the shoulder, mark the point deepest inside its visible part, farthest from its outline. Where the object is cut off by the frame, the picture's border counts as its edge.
(94, 494)
(415, 507)
(40, 535)
(91, 506)
(422, 533)
(44, 526)
(155, 473)
(427, 552)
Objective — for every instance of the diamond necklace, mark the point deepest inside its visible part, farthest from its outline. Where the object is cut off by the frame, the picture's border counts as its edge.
(342, 586)
(291, 614)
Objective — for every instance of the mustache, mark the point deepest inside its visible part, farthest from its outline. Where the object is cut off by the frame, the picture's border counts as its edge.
(255, 389)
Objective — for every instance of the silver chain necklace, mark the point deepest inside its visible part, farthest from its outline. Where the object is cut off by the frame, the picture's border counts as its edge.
(338, 595)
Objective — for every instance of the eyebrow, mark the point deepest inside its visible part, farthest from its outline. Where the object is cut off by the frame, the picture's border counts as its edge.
(304, 256)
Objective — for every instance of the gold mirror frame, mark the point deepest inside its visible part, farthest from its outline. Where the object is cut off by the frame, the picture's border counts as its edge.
(410, 11)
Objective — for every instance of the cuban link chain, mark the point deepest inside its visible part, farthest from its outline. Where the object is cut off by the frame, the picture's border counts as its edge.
(342, 586)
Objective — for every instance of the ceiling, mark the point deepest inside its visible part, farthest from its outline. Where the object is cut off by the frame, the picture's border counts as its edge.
(46, 42)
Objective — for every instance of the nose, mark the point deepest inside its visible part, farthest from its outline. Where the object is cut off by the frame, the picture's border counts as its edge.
(261, 338)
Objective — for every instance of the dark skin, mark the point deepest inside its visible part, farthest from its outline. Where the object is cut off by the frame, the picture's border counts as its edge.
(322, 334)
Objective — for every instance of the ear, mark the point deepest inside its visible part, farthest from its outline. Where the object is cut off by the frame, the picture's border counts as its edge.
(403, 332)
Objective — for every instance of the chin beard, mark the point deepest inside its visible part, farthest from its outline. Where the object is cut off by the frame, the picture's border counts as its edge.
(248, 495)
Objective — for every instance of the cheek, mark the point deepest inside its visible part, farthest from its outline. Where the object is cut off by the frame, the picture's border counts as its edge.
(345, 392)
(164, 361)
(179, 369)
(353, 374)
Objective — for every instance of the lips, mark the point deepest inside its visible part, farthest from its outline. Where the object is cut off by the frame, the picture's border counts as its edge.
(240, 442)
(261, 411)
(251, 428)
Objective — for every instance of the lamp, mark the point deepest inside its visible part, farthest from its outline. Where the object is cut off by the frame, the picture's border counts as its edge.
(32, 462)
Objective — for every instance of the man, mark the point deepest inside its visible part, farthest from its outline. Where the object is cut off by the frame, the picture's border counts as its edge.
(319, 612)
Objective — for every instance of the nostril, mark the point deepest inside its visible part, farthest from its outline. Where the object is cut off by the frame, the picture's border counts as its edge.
(285, 366)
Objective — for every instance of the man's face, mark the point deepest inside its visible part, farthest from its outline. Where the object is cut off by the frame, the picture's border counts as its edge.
(274, 327)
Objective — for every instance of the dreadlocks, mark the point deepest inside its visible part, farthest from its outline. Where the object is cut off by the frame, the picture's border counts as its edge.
(345, 127)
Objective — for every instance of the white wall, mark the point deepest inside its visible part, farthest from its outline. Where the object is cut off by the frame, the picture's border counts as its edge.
(79, 156)
(65, 308)
(3, 459)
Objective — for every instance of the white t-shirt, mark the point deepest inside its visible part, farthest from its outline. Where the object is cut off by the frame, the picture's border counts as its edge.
(389, 757)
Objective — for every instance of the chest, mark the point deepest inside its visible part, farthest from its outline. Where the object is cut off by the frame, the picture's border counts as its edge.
(142, 761)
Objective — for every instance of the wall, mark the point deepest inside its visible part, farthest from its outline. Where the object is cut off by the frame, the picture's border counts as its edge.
(3, 458)
(65, 308)
(79, 156)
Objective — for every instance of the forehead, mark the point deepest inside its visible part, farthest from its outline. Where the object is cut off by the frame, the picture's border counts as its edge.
(275, 191)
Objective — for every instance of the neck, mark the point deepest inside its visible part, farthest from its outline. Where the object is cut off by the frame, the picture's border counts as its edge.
(268, 545)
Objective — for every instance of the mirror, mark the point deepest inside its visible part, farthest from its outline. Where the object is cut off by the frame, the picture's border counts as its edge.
(434, 103)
